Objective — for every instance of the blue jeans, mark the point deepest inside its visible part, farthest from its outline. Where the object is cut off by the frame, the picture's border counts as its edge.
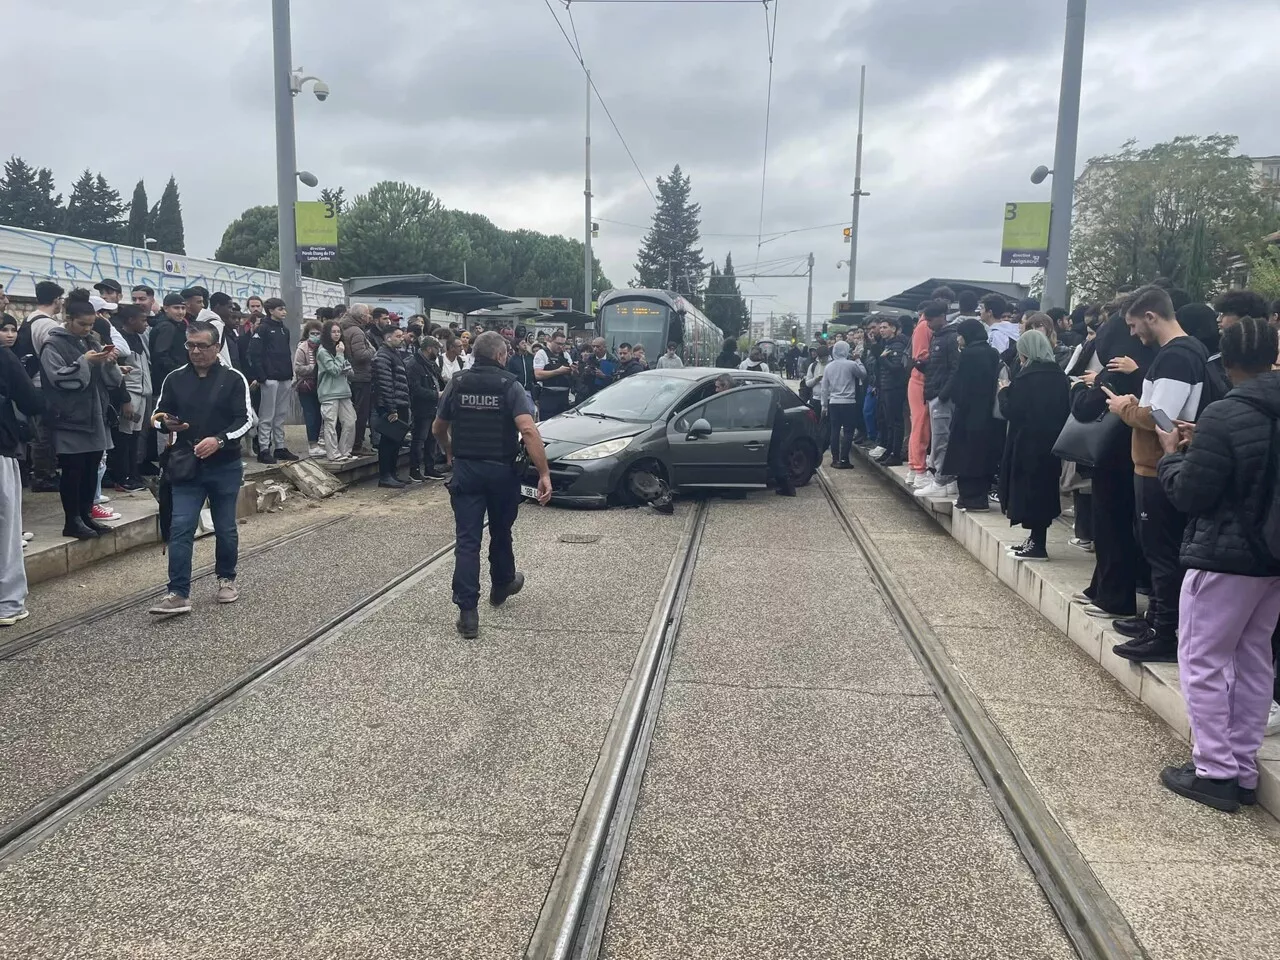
(477, 487)
(311, 415)
(869, 415)
(844, 420)
(221, 486)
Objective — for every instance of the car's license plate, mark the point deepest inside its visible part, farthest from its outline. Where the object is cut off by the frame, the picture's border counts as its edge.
(530, 492)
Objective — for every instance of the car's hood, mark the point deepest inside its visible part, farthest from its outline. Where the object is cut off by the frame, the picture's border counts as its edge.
(571, 431)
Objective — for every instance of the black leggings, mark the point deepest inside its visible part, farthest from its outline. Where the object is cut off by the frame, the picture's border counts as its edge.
(79, 483)
(1038, 535)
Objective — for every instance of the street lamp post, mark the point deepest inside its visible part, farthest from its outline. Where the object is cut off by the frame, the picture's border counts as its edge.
(288, 84)
(1012, 270)
(1064, 158)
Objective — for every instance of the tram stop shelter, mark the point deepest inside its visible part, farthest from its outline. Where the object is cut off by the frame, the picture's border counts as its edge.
(436, 293)
(912, 297)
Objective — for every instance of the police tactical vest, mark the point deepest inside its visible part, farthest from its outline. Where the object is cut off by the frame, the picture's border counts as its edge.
(484, 424)
(554, 362)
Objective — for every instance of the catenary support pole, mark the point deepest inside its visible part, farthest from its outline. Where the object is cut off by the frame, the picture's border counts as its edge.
(857, 187)
(587, 271)
(1064, 158)
(808, 313)
(286, 163)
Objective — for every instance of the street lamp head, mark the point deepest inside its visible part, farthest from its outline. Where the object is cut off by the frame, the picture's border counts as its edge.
(308, 178)
(321, 90)
(1040, 173)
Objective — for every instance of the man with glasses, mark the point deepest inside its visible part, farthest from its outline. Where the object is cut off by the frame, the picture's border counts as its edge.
(204, 408)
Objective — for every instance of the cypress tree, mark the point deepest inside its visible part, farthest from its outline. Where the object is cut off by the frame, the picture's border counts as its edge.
(27, 199)
(136, 233)
(166, 221)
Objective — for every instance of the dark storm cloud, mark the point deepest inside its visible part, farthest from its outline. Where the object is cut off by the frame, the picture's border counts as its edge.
(482, 102)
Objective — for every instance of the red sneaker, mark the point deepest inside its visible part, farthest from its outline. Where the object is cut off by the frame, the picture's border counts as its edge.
(101, 513)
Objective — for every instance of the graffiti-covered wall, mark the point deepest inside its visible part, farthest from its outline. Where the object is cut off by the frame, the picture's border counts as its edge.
(28, 256)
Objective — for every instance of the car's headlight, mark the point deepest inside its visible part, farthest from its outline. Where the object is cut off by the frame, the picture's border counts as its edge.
(598, 451)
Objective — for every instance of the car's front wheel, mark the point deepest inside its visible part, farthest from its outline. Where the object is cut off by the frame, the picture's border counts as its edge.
(643, 483)
(801, 460)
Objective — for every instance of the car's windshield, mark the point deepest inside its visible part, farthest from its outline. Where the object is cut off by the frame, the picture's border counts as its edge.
(641, 399)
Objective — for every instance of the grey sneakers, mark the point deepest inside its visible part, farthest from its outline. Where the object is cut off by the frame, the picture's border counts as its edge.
(171, 605)
(227, 592)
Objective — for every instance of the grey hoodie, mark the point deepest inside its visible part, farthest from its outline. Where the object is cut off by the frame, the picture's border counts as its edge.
(840, 379)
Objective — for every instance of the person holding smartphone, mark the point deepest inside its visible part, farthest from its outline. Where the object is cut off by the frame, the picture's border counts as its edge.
(204, 410)
(76, 374)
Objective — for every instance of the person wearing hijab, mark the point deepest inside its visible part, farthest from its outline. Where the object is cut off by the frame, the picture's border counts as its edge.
(1036, 405)
(973, 452)
(1122, 361)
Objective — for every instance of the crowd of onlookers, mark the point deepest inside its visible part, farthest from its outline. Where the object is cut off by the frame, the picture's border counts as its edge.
(1156, 418)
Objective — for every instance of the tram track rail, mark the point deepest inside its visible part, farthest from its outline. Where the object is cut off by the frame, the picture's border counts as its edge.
(571, 923)
(41, 820)
(1091, 919)
(27, 641)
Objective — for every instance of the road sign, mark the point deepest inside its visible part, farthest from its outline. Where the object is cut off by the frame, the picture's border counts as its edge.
(317, 231)
(1026, 235)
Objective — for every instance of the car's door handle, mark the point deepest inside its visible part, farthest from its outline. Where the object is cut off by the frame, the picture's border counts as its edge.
(754, 445)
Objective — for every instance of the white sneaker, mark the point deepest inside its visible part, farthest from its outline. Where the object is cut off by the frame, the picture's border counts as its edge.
(931, 490)
(875, 452)
(1273, 720)
(27, 536)
(102, 498)
(912, 477)
(952, 489)
(316, 452)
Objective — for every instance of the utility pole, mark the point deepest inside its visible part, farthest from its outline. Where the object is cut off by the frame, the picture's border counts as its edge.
(808, 313)
(1064, 158)
(857, 187)
(588, 273)
(286, 163)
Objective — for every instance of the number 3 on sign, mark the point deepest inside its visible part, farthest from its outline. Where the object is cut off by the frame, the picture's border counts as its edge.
(1011, 211)
(329, 211)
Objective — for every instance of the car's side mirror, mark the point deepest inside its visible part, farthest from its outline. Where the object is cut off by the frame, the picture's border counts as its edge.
(701, 428)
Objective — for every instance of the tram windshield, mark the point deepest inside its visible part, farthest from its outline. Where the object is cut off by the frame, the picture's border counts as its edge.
(635, 322)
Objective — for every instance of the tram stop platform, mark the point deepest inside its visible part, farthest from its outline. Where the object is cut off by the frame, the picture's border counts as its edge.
(1048, 588)
(49, 554)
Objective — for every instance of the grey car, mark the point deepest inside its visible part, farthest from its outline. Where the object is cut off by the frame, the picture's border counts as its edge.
(673, 424)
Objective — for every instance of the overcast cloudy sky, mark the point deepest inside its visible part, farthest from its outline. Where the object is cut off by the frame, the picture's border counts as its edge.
(481, 101)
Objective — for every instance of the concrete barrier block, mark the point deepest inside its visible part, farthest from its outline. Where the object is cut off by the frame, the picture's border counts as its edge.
(1006, 566)
(137, 533)
(1161, 693)
(1030, 586)
(1055, 607)
(81, 553)
(1085, 632)
(45, 564)
(1128, 673)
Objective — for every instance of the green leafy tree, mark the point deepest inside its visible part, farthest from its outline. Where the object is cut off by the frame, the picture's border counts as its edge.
(670, 257)
(251, 240)
(399, 228)
(27, 197)
(166, 221)
(95, 210)
(725, 306)
(1264, 270)
(1182, 210)
(139, 212)
(336, 196)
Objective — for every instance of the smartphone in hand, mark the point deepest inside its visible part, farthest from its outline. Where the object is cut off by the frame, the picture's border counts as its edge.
(1162, 421)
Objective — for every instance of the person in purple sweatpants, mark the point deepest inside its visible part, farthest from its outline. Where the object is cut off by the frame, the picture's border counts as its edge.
(1219, 472)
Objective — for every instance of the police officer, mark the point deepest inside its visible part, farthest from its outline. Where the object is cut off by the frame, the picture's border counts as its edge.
(483, 414)
(554, 370)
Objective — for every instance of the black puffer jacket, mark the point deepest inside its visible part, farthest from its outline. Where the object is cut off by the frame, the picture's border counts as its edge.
(944, 358)
(425, 384)
(390, 382)
(1220, 481)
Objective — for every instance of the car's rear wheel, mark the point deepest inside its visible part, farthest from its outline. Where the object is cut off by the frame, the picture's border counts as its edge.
(801, 460)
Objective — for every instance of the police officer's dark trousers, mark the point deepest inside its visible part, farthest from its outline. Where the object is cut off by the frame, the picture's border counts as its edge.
(479, 487)
(552, 403)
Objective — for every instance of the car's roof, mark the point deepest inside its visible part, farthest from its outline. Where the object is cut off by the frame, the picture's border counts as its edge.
(701, 373)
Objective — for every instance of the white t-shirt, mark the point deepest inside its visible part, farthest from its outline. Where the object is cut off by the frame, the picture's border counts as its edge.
(449, 367)
(540, 363)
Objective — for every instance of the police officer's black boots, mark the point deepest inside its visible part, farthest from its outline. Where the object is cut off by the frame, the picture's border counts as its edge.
(469, 624)
(498, 595)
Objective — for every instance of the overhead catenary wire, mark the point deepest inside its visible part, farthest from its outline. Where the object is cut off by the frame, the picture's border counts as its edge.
(771, 32)
(577, 55)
